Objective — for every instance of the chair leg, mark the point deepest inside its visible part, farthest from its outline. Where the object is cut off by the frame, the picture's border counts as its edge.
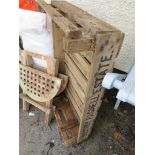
(48, 118)
(49, 104)
(26, 106)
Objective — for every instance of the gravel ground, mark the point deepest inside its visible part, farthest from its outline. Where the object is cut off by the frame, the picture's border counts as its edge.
(113, 132)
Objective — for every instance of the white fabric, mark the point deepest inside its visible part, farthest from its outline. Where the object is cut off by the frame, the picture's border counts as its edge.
(48, 1)
(34, 34)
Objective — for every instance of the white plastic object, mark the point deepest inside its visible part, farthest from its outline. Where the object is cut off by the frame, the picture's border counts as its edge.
(127, 91)
(126, 88)
(35, 35)
(113, 80)
(31, 114)
(117, 104)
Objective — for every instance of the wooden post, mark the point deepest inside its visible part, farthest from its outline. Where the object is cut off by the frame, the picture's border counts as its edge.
(58, 46)
(26, 105)
(48, 117)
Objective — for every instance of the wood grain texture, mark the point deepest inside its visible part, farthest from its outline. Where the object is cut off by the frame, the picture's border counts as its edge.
(81, 63)
(63, 83)
(107, 47)
(75, 84)
(84, 19)
(67, 122)
(74, 69)
(88, 55)
(39, 86)
(34, 103)
(52, 63)
(58, 46)
(77, 45)
(85, 60)
(74, 102)
(70, 30)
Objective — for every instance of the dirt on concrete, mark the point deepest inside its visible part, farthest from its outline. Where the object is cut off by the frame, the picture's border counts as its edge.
(113, 132)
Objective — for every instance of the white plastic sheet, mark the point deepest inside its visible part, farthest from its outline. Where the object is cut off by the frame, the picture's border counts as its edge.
(35, 34)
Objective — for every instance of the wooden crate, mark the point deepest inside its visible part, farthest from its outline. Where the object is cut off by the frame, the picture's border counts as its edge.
(86, 48)
(66, 120)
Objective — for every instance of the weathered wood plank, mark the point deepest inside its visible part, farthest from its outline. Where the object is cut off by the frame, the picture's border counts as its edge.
(74, 111)
(70, 29)
(75, 84)
(65, 116)
(83, 18)
(81, 63)
(74, 103)
(67, 121)
(39, 106)
(58, 46)
(88, 55)
(64, 82)
(74, 69)
(76, 97)
(77, 45)
(52, 63)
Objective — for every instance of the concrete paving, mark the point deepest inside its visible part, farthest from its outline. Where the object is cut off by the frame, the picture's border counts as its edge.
(113, 133)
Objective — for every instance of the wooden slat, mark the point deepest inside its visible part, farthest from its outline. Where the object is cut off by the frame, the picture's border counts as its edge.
(70, 141)
(70, 29)
(76, 97)
(74, 69)
(70, 124)
(88, 55)
(83, 18)
(73, 102)
(75, 84)
(77, 45)
(52, 63)
(63, 83)
(58, 46)
(70, 119)
(74, 111)
(81, 63)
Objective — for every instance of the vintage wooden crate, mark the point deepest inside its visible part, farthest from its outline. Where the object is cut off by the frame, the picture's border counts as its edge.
(86, 48)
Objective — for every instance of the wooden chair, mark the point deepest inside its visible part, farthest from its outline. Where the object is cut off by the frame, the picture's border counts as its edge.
(40, 85)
